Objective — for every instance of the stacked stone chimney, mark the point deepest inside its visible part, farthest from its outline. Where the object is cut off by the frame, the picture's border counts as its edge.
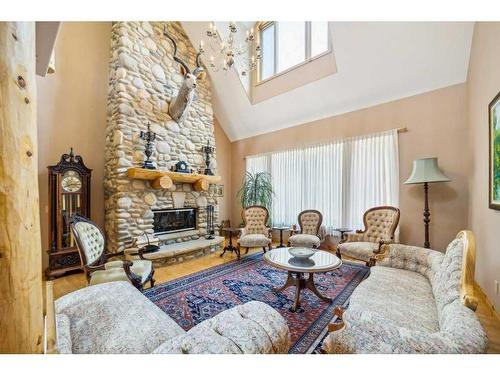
(143, 78)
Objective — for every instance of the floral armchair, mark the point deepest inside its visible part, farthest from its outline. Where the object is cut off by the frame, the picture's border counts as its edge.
(91, 243)
(310, 224)
(380, 224)
(255, 233)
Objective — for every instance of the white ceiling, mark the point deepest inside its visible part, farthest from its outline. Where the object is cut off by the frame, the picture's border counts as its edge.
(377, 62)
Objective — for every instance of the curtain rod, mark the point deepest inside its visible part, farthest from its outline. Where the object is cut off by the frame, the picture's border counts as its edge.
(403, 129)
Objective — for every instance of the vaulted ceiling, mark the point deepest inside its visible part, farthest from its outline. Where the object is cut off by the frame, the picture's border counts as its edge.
(377, 62)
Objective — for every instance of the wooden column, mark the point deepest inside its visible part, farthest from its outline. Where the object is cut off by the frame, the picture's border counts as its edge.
(21, 299)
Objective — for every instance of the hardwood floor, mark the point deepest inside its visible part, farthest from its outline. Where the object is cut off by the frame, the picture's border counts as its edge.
(488, 317)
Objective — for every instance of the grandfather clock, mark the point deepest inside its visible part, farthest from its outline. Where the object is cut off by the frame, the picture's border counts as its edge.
(69, 192)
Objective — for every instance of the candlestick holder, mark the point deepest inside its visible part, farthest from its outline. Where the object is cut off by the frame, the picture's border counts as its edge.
(149, 137)
(208, 150)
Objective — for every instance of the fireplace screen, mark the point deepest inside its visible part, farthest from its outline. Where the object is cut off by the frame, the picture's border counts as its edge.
(174, 220)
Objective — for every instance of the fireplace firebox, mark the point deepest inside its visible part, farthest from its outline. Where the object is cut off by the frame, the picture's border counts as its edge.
(174, 220)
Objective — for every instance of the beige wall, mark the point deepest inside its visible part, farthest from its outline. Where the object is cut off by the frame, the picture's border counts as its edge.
(72, 109)
(436, 123)
(483, 84)
(223, 169)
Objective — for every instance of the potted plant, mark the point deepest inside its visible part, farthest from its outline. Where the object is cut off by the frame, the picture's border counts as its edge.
(256, 190)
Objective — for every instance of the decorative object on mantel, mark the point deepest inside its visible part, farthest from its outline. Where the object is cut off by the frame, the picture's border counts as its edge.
(69, 193)
(227, 49)
(149, 137)
(164, 179)
(426, 171)
(208, 150)
(210, 222)
(494, 152)
(179, 106)
(181, 167)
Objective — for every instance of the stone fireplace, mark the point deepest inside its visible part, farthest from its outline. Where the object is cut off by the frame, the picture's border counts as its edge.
(143, 79)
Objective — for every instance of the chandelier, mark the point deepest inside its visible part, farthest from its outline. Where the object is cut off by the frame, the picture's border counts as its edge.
(231, 50)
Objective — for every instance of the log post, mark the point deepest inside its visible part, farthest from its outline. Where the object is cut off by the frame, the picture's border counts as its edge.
(50, 319)
(21, 297)
(201, 185)
(163, 182)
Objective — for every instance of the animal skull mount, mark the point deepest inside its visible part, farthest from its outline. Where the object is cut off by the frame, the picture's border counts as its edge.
(179, 105)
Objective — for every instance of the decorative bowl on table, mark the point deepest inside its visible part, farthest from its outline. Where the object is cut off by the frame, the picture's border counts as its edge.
(301, 252)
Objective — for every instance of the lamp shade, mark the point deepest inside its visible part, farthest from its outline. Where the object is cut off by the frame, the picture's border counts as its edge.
(426, 170)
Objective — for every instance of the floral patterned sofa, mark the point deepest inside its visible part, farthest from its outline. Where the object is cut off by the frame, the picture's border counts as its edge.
(415, 300)
(116, 318)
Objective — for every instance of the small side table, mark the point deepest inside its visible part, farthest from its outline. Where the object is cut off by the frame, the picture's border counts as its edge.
(230, 247)
(281, 229)
(342, 232)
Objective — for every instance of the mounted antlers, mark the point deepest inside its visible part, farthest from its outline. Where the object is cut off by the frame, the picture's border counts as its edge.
(180, 104)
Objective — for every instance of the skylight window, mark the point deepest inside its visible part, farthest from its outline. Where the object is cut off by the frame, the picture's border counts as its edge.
(288, 44)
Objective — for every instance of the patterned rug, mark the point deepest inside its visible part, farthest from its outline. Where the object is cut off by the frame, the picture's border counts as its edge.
(191, 299)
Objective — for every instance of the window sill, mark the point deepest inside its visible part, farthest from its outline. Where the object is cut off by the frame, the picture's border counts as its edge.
(299, 75)
(292, 68)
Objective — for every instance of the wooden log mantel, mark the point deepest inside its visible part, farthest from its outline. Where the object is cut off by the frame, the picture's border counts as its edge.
(164, 179)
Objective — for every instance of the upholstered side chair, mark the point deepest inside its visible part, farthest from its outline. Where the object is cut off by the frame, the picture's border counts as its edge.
(310, 224)
(255, 232)
(380, 224)
(91, 244)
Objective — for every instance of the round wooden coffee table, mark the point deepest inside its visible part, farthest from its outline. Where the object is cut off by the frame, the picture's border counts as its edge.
(301, 272)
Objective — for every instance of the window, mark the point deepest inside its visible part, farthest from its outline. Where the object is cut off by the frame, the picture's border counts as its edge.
(341, 179)
(287, 44)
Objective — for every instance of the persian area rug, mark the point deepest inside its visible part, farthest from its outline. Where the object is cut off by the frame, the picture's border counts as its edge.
(199, 296)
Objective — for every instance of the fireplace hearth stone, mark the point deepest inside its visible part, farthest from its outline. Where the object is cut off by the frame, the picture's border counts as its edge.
(182, 251)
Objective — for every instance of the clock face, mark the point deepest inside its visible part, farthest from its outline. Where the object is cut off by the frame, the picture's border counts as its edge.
(71, 182)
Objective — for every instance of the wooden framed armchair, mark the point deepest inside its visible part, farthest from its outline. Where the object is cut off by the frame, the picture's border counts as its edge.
(91, 244)
(255, 233)
(310, 224)
(380, 224)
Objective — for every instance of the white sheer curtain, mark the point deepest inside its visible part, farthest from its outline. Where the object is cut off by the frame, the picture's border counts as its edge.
(371, 175)
(258, 163)
(287, 180)
(341, 179)
(322, 179)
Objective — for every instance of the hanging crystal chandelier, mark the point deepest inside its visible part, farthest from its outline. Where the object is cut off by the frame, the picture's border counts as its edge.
(228, 51)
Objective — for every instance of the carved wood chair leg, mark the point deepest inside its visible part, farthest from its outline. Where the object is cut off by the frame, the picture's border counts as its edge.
(371, 262)
(339, 311)
(264, 248)
(152, 281)
(337, 252)
(246, 252)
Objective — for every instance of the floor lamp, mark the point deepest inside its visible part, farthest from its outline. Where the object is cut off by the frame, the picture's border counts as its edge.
(426, 171)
